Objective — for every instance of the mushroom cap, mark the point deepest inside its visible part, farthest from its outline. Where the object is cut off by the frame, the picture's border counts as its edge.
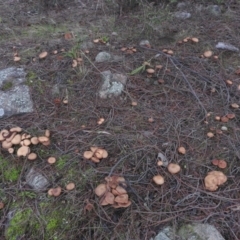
(174, 168)
(221, 177)
(47, 143)
(47, 133)
(11, 150)
(16, 140)
(150, 70)
(98, 153)
(51, 160)
(32, 156)
(210, 134)
(26, 142)
(121, 198)
(215, 162)
(16, 129)
(109, 198)
(182, 150)
(93, 149)
(100, 189)
(234, 105)
(88, 154)
(6, 144)
(211, 183)
(34, 140)
(23, 151)
(3, 134)
(43, 55)
(194, 39)
(170, 52)
(70, 186)
(11, 136)
(120, 205)
(224, 119)
(55, 191)
(94, 159)
(230, 115)
(103, 202)
(158, 66)
(207, 54)
(222, 164)
(74, 63)
(120, 190)
(42, 139)
(160, 163)
(158, 179)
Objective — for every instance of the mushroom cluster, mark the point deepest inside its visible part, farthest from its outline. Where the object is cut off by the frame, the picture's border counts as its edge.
(189, 39)
(113, 192)
(95, 154)
(15, 137)
(220, 163)
(129, 50)
(214, 179)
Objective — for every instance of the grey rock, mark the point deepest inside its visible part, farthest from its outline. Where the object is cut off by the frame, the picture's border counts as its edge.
(113, 84)
(144, 43)
(166, 234)
(55, 90)
(114, 34)
(214, 10)
(190, 232)
(199, 232)
(226, 46)
(36, 180)
(182, 15)
(103, 57)
(87, 45)
(14, 96)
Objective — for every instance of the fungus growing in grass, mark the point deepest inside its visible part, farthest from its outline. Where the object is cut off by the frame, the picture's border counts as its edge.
(11, 136)
(88, 154)
(54, 191)
(217, 118)
(100, 189)
(122, 205)
(16, 140)
(70, 186)
(215, 162)
(134, 103)
(47, 133)
(16, 59)
(100, 121)
(158, 179)
(234, 105)
(32, 156)
(100, 153)
(222, 164)
(26, 142)
(16, 129)
(34, 140)
(230, 115)
(3, 134)
(121, 198)
(23, 151)
(109, 198)
(6, 144)
(214, 179)
(207, 54)
(170, 52)
(42, 139)
(182, 150)
(150, 70)
(11, 150)
(51, 160)
(74, 63)
(195, 40)
(210, 134)
(160, 163)
(42, 55)
(224, 119)
(158, 67)
(95, 159)
(174, 168)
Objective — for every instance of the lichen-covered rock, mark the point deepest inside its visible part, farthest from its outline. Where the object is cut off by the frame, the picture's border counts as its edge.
(36, 180)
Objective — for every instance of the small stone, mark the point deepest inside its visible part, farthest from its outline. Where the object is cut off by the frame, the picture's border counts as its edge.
(103, 57)
(224, 128)
(144, 43)
(227, 46)
(182, 15)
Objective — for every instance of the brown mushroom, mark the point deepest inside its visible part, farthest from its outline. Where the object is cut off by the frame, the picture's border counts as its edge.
(1, 205)
(3, 134)
(195, 40)
(122, 205)
(34, 140)
(51, 160)
(93, 149)
(174, 168)
(214, 179)
(32, 156)
(23, 151)
(121, 198)
(88, 154)
(224, 119)
(234, 105)
(158, 179)
(42, 55)
(109, 198)
(16, 140)
(100, 189)
(222, 164)
(11, 150)
(70, 186)
(182, 150)
(120, 190)
(47, 133)
(94, 159)
(207, 54)
(26, 142)
(11, 136)
(230, 115)
(47, 143)
(42, 139)
(215, 162)
(150, 70)
(6, 144)
(54, 191)
(210, 134)
(160, 163)
(16, 129)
